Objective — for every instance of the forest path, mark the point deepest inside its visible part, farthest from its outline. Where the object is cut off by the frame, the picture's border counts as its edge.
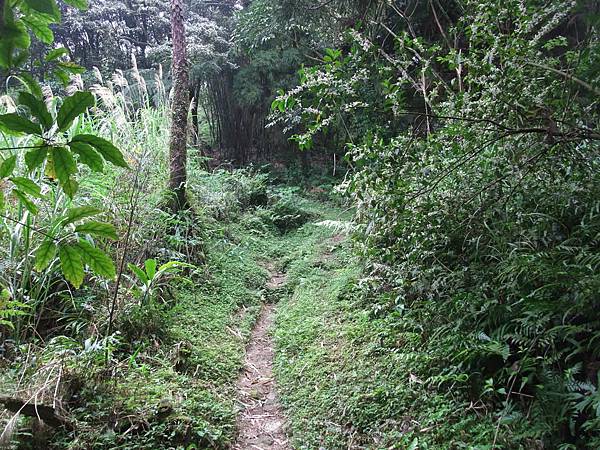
(261, 423)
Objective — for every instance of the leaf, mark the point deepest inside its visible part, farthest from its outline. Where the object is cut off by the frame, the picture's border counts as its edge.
(31, 84)
(48, 7)
(80, 213)
(104, 147)
(88, 156)
(139, 273)
(72, 107)
(63, 77)
(27, 203)
(81, 5)
(70, 187)
(2, 201)
(97, 260)
(40, 28)
(71, 67)
(35, 158)
(45, 254)
(27, 186)
(15, 34)
(71, 264)
(14, 122)
(173, 265)
(63, 164)
(6, 51)
(56, 53)
(150, 265)
(7, 166)
(99, 229)
(38, 109)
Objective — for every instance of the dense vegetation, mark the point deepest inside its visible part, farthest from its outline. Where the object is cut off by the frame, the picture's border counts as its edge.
(425, 173)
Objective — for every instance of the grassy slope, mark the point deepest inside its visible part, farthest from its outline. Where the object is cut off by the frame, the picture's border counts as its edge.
(343, 382)
(194, 369)
(193, 373)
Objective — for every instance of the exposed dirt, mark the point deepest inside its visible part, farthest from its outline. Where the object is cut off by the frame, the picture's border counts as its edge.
(261, 423)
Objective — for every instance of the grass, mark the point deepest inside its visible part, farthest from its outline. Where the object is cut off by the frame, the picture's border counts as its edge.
(347, 378)
(182, 392)
(171, 381)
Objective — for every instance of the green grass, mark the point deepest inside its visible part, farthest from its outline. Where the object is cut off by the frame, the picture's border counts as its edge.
(191, 374)
(175, 385)
(349, 379)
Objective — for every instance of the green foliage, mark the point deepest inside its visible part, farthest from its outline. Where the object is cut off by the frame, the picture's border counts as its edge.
(476, 185)
(288, 210)
(151, 277)
(43, 151)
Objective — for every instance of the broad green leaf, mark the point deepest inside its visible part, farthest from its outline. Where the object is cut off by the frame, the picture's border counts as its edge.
(45, 254)
(82, 5)
(36, 157)
(63, 164)
(70, 187)
(99, 229)
(40, 28)
(2, 201)
(56, 53)
(14, 122)
(72, 107)
(104, 147)
(139, 273)
(25, 201)
(15, 34)
(150, 266)
(79, 213)
(63, 77)
(71, 264)
(7, 166)
(48, 7)
(88, 156)
(30, 83)
(27, 186)
(97, 260)
(38, 109)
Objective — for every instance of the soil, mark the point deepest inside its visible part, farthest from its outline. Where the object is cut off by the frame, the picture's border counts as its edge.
(261, 423)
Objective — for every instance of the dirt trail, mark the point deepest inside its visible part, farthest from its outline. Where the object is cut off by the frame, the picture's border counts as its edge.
(261, 423)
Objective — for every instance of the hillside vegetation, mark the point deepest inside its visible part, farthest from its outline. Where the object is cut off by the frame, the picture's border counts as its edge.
(312, 225)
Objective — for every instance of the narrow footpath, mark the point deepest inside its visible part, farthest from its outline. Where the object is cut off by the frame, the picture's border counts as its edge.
(261, 423)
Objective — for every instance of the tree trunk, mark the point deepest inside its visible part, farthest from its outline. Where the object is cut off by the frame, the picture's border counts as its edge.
(179, 113)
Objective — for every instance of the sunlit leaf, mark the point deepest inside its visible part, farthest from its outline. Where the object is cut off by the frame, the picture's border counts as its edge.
(97, 260)
(45, 254)
(82, 5)
(56, 53)
(98, 229)
(71, 264)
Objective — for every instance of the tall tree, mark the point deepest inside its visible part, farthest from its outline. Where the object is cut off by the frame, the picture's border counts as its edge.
(179, 113)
